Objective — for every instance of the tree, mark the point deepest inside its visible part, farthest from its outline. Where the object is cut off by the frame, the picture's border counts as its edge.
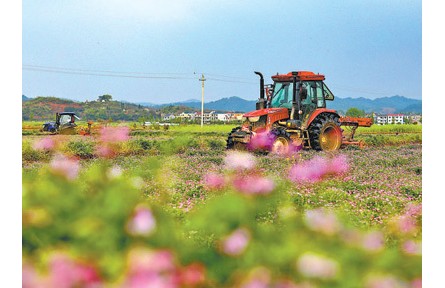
(105, 97)
(355, 112)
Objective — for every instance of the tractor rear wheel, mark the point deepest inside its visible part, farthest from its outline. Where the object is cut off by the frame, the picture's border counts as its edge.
(281, 144)
(325, 133)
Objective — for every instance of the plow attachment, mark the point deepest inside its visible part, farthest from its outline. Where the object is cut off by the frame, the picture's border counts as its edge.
(350, 125)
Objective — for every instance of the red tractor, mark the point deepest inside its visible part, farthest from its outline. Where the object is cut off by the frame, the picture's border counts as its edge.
(292, 112)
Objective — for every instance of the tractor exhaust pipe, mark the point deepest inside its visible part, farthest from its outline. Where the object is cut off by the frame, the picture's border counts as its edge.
(295, 103)
(261, 102)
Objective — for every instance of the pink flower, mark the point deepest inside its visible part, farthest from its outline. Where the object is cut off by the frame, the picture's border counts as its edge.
(46, 143)
(64, 272)
(315, 266)
(315, 169)
(406, 224)
(236, 242)
(142, 222)
(237, 160)
(413, 209)
(192, 275)
(322, 221)
(338, 165)
(114, 134)
(310, 171)
(105, 151)
(253, 185)
(214, 181)
(411, 247)
(416, 283)
(67, 167)
(261, 141)
(373, 241)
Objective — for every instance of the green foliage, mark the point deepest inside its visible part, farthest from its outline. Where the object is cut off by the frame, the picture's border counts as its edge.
(355, 112)
(82, 149)
(30, 154)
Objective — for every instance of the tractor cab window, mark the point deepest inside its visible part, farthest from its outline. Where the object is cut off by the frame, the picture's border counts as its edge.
(315, 97)
(282, 95)
(327, 93)
(65, 119)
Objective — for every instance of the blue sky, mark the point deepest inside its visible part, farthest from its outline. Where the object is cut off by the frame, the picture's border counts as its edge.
(149, 51)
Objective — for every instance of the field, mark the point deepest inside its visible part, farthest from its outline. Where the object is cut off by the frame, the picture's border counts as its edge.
(133, 206)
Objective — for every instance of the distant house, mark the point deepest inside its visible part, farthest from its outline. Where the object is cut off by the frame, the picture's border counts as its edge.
(168, 117)
(382, 119)
(395, 118)
(223, 117)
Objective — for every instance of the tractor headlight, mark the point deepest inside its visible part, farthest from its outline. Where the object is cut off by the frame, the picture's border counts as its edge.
(254, 119)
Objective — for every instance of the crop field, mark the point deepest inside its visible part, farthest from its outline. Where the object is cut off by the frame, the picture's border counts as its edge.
(132, 206)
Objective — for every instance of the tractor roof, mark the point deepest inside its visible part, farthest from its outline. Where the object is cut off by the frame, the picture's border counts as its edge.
(301, 76)
(69, 113)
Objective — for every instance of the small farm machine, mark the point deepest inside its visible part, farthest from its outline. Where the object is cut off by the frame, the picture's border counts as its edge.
(292, 112)
(65, 124)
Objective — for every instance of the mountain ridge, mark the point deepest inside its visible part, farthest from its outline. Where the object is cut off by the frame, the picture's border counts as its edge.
(388, 104)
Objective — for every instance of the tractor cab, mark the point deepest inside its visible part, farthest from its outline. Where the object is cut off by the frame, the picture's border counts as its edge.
(64, 124)
(300, 92)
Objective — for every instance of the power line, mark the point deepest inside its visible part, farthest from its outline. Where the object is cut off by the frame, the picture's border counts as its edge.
(110, 74)
(96, 71)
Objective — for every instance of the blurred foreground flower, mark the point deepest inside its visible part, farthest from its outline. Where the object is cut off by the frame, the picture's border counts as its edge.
(214, 181)
(142, 222)
(148, 268)
(253, 185)
(237, 160)
(322, 221)
(260, 141)
(67, 167)
(412, 248)
(63, 272)
(114, 134)
(373, 241)
(235, 243)
(315, 169)
(315, 266)
(46, 143)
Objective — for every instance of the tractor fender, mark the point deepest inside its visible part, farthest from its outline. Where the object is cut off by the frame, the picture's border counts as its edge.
(318, 112)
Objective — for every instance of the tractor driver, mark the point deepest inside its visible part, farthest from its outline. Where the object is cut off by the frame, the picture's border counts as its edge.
(306, 95)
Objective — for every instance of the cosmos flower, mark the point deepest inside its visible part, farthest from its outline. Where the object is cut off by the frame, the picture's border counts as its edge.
(214, 181)
(235, 243)
(67, 167)
(237, 160)
(316, 266)
(142, 222)
(46, 143)
(114, 134)
(253, 185)
(322, 221)
(373, 241)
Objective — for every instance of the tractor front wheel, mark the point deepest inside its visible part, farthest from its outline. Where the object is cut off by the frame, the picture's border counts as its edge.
(325, 133)
(230, 142)
(281, 144)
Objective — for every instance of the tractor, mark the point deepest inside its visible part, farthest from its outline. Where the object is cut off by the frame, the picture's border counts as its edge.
(64, 124)
(292, 112)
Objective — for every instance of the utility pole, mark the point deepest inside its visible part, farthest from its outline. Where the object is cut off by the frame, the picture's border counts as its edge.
(202, 99)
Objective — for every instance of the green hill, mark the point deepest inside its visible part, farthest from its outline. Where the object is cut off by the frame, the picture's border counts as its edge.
(44, 108)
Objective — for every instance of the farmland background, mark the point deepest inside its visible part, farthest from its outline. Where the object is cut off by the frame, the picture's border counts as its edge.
(112, 206)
